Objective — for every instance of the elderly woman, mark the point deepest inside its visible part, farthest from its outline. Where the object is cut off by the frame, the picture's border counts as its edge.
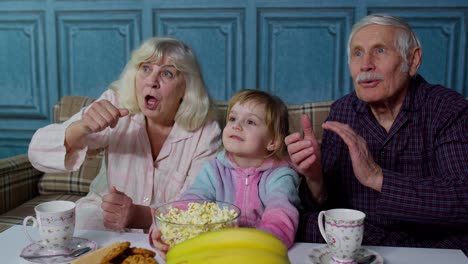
(157, 126)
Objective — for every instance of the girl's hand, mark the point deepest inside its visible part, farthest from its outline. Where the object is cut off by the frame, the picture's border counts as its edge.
(156, 241)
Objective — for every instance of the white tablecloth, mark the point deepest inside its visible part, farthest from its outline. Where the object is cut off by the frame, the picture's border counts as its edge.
(13, 240)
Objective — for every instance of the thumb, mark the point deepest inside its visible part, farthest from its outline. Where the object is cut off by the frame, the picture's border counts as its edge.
(307, 128)
(123, 112)
(113, 189)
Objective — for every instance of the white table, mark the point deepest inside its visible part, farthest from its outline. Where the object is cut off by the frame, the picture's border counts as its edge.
(13, 240)
(393, 255)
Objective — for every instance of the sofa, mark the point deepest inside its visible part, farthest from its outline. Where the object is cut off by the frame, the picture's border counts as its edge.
(22, 187)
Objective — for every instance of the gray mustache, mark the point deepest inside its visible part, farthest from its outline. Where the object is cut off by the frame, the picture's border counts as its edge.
(369, 76)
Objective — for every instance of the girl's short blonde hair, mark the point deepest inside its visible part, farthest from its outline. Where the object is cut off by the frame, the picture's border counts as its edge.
(276, 118)
(196, 107)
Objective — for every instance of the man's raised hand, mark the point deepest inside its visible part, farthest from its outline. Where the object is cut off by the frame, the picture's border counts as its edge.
(304, 151)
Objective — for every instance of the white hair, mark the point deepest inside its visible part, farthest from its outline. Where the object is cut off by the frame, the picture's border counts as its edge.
(406, 40)
(196, 107)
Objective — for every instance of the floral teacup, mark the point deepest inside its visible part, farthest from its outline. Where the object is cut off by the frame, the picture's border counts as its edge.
(55, 221)
(343, 232)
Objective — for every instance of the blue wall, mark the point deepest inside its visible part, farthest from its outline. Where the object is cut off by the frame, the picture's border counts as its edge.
(295, 49)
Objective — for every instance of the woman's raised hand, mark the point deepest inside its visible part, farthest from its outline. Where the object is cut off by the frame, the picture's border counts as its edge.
(102, 114)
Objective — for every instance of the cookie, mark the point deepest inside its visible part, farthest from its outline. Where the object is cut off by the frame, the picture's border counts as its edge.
(141, 251)
(139, 259)
(115, 252)
(95, 256)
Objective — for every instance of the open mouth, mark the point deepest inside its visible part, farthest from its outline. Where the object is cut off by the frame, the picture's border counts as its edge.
(236, 138)
(151, 102)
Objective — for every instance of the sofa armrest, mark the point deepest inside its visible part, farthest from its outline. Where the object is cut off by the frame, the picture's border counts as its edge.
(18, 182)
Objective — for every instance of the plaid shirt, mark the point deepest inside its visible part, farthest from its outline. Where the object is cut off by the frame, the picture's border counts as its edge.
(424, 158)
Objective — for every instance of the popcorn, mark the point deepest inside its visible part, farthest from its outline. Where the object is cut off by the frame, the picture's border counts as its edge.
(177, 225)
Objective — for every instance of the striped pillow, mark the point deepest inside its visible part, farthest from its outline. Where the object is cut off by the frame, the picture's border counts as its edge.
(76, 182)
(317, 112)
(18, 182)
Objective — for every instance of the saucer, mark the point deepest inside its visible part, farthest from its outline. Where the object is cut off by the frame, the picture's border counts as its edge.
(35, 249)
(322, 255)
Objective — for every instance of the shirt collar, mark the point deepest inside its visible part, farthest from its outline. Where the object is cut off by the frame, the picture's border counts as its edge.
(416, 96)
(177, 132)
(270, 163)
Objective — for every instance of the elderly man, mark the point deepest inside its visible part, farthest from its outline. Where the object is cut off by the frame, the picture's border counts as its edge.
(396, 148)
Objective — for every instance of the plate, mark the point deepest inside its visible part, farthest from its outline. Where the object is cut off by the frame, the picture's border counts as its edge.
(322, 255)
(35, 249)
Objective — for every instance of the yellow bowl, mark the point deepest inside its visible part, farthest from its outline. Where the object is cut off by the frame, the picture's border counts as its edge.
(185, 219)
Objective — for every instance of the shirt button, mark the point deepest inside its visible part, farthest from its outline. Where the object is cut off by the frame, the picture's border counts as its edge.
(146, 199)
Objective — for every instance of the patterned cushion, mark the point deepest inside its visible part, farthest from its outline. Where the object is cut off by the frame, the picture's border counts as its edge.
(221, 109)
(17, 176)
(317, 112)
(68, 106)
(74, 182)
(16, 216)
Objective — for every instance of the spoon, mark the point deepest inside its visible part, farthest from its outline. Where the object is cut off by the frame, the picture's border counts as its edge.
(75, 253)
(367, 259)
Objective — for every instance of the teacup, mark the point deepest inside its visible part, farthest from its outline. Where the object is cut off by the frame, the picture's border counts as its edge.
(343, 232)
(55, 221)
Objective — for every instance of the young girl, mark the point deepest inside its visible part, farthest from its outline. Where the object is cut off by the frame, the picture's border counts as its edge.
(252, 171)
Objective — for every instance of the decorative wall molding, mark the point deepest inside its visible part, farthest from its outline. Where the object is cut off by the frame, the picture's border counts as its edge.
(94, 47)
(23, 68)
(302, 50)
(217, 36)
(295, 49)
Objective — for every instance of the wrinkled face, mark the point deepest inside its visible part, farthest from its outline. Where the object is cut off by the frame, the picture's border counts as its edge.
(246, 134)
(375, 65)
(159, 90)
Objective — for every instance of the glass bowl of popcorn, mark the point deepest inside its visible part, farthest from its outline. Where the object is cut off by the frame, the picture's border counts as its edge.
(184, 219)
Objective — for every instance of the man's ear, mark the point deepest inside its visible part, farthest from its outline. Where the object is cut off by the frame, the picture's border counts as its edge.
(415, 60)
